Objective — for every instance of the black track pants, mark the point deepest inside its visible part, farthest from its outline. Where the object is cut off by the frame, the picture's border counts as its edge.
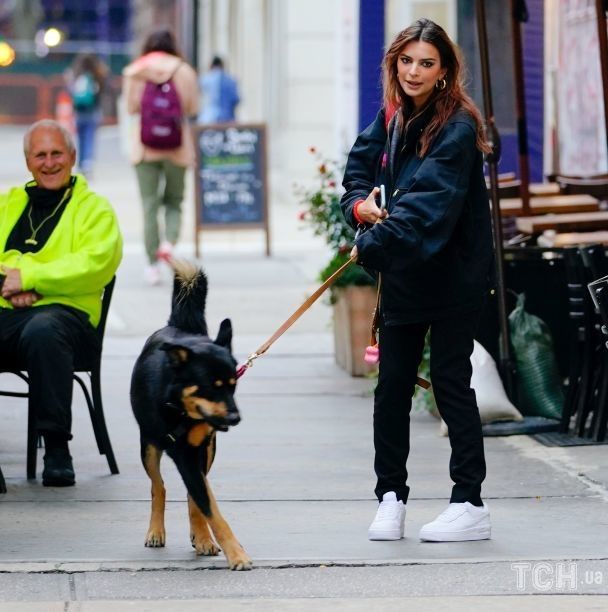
(46, 340)
(400, 354)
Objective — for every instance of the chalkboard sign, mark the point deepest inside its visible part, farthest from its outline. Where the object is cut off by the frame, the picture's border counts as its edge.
(231, 186)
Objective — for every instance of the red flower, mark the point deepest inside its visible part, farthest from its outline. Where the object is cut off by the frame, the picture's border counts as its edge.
(331, 183)
(312, 150)
(302, 215)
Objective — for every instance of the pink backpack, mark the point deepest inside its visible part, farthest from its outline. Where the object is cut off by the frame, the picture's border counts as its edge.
(161, 116)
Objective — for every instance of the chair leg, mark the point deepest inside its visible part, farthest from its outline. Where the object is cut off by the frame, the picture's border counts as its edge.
(92, 412)
(585, 398)
(101, 421)
(570, 401)
(595, 396)
(601, 416)
(32, 441)
(2, 483)
(97, 418)
(599, 435)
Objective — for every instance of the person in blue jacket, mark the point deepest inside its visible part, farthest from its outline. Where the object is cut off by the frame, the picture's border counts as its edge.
(221, 94)
(432, 248)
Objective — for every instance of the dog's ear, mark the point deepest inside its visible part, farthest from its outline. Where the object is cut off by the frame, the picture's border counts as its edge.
(177, 354)
(224, 336)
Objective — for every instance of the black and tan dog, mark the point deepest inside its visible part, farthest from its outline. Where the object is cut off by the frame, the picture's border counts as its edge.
(182, 391)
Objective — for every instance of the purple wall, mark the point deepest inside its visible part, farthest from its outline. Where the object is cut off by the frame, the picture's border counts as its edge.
(371, 52)
(533, 57)
(533, 53)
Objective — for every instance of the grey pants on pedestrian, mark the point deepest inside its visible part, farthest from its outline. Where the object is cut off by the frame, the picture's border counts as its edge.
(161, 184)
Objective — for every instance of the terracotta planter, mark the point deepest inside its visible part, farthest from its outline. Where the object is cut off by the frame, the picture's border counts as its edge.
(353, 313)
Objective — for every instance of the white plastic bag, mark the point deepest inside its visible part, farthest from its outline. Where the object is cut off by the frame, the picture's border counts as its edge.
(492, 401)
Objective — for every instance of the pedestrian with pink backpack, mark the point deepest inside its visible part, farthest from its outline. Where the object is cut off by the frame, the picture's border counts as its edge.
(162, 89)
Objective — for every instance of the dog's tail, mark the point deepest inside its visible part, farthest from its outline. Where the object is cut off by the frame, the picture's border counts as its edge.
(189, 296)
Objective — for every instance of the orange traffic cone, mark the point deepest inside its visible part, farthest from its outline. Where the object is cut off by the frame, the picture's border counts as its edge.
(64, 112)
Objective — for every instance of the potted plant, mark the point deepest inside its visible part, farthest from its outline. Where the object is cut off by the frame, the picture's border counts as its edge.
(353, 295)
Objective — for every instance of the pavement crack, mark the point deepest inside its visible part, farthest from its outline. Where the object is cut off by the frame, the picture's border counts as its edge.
(72, 586)
(72, 574)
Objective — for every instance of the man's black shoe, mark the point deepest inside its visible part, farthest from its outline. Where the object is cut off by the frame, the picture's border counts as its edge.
(58, 469)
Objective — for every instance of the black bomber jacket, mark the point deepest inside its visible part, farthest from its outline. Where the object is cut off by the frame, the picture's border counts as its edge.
(434, 249)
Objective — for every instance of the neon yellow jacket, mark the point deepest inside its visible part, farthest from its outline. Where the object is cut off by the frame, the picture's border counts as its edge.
(80, 257)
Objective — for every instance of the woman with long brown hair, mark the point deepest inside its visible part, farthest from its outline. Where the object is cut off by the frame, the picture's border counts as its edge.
(432, 247)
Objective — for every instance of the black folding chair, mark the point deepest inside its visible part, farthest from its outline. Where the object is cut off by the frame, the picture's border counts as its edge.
(581, 316)
(91, 367)
(599, 292)
(596, 266)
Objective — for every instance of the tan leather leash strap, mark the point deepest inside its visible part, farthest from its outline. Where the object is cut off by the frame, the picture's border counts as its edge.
(294, 317)
(376, 315)
(421, 382)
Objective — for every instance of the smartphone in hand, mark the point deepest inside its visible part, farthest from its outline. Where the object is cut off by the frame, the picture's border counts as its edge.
(380, 197)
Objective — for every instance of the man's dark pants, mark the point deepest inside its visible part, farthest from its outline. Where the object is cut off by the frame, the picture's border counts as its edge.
(47, 341)
(401, 350)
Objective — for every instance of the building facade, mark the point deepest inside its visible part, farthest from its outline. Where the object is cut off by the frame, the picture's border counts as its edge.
(310, 69)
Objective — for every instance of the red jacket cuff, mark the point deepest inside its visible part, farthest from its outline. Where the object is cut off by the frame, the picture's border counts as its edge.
(356, 212)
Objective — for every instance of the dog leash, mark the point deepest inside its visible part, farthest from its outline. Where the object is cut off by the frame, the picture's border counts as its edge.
(373, 346)
(372, 352)
(293, 318)
(300, 311)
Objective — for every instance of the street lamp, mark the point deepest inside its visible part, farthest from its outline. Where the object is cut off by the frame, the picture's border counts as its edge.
(46, 39)
(52, 37)
(7, 54)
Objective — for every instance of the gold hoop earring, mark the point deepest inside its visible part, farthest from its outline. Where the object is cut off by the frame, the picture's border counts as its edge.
(441, 84)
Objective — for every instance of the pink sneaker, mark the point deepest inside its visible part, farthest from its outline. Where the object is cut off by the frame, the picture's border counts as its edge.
(164, 251)
(152, 274)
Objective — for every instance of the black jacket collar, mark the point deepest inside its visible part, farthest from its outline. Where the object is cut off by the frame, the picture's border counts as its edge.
(404, 140)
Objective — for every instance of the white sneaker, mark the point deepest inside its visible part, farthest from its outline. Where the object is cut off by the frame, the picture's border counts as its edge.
(389, 520)
(459, 523)
(152, 274)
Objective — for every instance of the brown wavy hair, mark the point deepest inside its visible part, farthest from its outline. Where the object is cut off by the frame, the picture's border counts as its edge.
(89, 62)
(447, 101)
(162, 39)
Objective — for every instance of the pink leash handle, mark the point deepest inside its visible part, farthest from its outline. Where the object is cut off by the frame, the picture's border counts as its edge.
(372, 354)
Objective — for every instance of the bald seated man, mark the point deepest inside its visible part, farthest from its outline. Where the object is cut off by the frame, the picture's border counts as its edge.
(60, 244)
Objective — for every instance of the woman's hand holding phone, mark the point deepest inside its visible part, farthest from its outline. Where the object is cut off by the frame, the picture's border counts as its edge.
(369, 211)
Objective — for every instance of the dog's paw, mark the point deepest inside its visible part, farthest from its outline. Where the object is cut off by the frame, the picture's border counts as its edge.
(155, 538)
(240, 562)
(204, 546)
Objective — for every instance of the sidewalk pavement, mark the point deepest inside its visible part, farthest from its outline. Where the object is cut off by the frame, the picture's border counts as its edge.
(294, 479)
